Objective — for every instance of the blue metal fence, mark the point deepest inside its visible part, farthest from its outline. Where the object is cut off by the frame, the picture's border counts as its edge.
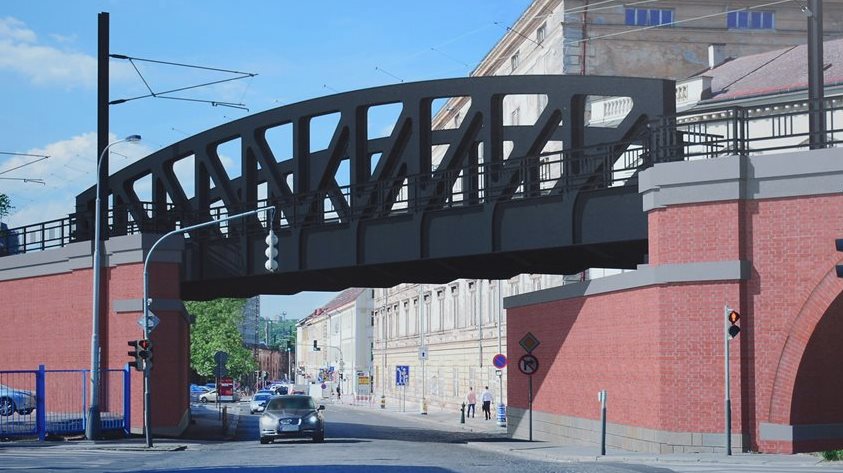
(54, 402)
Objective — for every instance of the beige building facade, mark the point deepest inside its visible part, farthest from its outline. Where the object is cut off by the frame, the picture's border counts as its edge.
(460, 326)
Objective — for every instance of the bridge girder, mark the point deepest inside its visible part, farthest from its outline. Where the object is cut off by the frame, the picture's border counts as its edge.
(409, 217)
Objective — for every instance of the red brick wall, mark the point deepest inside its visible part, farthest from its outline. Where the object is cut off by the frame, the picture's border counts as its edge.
(658, 350)
(60, 305)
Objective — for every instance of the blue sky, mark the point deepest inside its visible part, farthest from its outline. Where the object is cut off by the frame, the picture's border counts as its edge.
(299, 50)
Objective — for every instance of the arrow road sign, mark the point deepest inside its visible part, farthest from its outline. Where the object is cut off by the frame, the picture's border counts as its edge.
(528, 364)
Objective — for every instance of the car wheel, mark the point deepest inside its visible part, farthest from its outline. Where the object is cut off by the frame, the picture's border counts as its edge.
(265, 440)
(319, 438)
(7, 406)
(203, 400)
(251, 411)
(26, 412)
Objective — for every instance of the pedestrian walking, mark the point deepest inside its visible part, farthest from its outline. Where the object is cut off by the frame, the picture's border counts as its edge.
(339, 394)
(486, 397)
(471, 399)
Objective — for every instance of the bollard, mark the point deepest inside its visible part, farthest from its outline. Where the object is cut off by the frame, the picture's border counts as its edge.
(501, 415)
(224, 420)
(383, 401)
(423, 407)
(462, 414)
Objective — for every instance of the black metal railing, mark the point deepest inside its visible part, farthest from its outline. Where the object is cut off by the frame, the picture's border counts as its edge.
(686, 136)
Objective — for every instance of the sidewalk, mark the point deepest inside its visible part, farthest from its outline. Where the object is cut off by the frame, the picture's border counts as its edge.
(441, 417)
(498, 441)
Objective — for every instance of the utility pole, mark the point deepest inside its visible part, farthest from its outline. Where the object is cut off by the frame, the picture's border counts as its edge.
(816, 81)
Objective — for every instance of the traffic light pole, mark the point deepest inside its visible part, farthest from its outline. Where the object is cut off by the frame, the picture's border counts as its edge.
(726, 311)
(147, 424)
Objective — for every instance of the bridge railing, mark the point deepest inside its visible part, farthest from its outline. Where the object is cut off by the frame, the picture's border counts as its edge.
(706, 134)
(743, 131)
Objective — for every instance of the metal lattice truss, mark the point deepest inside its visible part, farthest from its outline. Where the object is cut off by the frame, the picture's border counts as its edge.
(481, 161)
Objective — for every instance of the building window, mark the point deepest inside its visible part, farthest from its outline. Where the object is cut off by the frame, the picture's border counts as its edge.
(751, 20)
(541, 33)
(515, 60)
(648, 17)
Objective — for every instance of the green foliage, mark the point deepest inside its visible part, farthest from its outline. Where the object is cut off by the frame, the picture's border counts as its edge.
(214, 329)
(277, 334)
(5, 205)
(833, 455)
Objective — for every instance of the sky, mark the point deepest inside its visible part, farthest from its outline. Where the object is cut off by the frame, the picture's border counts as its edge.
(298, 51)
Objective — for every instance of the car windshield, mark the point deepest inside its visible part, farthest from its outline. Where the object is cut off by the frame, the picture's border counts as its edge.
(297, 402)
(262, 397)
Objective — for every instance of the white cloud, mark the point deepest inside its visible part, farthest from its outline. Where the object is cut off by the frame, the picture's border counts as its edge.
(70, 170)
(21, 52)
(15, 30)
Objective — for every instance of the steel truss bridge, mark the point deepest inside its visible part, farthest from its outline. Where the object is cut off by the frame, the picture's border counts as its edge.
(484, 199)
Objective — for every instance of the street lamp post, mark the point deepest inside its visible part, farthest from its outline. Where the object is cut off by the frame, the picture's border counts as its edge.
(147, 415)
(92, 423)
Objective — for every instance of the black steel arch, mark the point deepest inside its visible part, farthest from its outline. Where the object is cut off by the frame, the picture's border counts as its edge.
(405, 218)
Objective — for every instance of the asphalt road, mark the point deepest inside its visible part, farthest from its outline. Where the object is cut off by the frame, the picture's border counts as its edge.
(356, 442)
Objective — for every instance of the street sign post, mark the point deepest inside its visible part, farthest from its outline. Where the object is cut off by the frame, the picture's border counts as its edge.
(402, 375)
(499, 361)
(529, 364)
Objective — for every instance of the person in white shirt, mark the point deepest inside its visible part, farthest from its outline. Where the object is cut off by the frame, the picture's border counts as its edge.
(486, 397)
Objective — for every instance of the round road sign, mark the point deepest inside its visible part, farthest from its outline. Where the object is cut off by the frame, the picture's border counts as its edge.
(324, 385)
(528, 364)
(499, 361)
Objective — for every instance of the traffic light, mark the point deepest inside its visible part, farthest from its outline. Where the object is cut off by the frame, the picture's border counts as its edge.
(316, 346)
(839, 243)
(733, 329)
(271, 250)
(137, 361)
(145, 352)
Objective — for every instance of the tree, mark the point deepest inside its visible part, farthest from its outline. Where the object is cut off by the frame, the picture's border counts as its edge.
(5, 205)
(215, 328)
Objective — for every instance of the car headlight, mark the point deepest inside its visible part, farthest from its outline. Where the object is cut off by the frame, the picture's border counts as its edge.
(267, 422)
(312, 419)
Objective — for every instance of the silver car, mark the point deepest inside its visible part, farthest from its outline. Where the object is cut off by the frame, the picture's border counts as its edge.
(259, 401)
(16, 400)
(293, 416)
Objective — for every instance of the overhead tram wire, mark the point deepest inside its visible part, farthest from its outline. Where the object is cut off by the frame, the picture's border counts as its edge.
(650, 27)
(164, 94)
(40, 156)
(686, 20)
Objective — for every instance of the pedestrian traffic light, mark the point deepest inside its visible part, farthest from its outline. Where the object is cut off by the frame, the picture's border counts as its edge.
(839, 243)
(733, 329)
(145, 352)
(137, 361)
(271, 250)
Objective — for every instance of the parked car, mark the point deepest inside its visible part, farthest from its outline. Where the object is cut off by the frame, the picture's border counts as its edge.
(196, 391)
(16, 400)
(259, 401)
(211, 396)
(280, 389)
(292, 416)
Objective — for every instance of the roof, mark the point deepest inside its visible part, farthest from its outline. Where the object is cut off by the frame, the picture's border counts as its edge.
(344, 298)
(772, 72)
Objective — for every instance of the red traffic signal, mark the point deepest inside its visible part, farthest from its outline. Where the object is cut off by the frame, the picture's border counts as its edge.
(733, 318)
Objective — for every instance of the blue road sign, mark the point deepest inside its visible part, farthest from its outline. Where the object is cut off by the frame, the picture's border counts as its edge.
(499, 361)
(402, 375)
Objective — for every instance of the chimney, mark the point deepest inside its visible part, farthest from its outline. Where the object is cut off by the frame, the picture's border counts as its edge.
(716, 55)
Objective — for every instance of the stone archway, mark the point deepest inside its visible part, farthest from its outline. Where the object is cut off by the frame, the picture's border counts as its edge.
(804, 413)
